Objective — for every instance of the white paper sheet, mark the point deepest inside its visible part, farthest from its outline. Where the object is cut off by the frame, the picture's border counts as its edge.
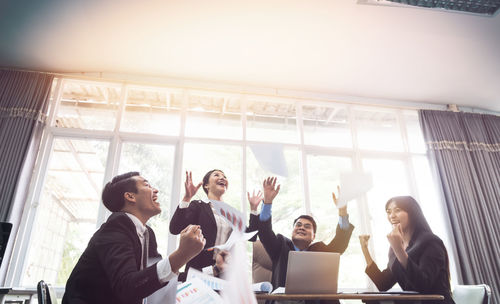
(167, 293)
(352, 186)
(271, 158)
(234, 238)
(196, 292)
(211, 281)
(234, 217)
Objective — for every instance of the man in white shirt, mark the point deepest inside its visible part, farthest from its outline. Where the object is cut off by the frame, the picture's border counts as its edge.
(113, 268)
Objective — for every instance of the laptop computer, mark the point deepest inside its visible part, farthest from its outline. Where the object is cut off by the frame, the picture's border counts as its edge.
(312, 272)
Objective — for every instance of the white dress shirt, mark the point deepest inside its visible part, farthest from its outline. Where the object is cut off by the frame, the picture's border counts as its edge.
(163, 268)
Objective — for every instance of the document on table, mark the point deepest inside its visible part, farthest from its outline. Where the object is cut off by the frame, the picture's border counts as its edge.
(211, 281)
(196, 292)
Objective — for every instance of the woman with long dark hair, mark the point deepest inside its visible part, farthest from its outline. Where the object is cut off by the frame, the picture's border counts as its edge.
(418, 260)
(216, 229)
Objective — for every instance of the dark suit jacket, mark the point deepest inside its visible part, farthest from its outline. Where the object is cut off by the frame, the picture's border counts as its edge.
(108, 270)
(278, 246)
(200, 213)
(426, 272)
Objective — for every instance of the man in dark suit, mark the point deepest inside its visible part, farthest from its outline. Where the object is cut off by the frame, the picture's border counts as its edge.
(278, 246)
(113, 269)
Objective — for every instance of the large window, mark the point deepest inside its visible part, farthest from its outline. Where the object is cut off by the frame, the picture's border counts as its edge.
(97, 130)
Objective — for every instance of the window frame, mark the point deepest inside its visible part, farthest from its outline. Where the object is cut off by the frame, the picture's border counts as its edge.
(116, 138)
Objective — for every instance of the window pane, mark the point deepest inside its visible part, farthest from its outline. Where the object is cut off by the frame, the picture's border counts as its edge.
(416, 142)
(155, 163)
(274, 122)
(152, 111)
(289, 202)
(378, 130)
(327, 126)
(214, 117)
(88, 106)
(389, 180)
(432, 207)
(67, 210)
(324, 176)
(201, 158)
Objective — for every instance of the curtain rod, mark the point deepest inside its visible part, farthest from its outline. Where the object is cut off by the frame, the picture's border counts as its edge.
(251, 90)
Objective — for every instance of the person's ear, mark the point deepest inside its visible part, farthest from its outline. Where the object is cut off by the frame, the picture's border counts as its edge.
(129, 196)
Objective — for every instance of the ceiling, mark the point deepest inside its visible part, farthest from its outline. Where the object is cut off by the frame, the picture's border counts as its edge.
(335, 47)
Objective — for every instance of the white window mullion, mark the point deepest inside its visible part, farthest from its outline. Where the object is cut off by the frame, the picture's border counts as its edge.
(303, 165)
(113, 154)
(362, 202)
(244, 189)
(178, 176)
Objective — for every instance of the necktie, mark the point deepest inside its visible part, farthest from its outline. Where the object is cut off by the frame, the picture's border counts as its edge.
(145, 248)
(145, 253)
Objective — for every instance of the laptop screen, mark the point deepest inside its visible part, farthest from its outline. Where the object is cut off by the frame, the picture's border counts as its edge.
(312, 272)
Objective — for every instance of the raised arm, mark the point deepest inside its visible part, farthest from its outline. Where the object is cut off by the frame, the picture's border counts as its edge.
(343, 232)
(363, 241)
(342, 210)
(190, 188)
(253, 222)
(384, 280)
(186, 213)
(266, 233)
(254, 199)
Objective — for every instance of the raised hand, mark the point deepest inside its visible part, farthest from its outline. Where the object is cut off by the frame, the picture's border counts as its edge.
(221, 261)
(343, 210)
(396, 240)
(191, 241)
(270, 189)
(190, 188)
(254, 199)
(190, 245)
(363, 240)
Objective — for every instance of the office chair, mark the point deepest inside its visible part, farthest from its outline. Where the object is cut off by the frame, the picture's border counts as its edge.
(261, 264)
(472, 294)
(45, 293)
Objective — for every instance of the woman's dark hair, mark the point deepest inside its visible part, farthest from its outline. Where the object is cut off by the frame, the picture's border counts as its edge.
(416, 216)
(112, 195)
(207, 177)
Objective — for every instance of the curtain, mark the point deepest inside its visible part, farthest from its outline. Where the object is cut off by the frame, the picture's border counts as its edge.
(465, 148)
(24, 98)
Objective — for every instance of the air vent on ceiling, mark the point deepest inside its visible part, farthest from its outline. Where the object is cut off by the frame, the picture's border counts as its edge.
(480, 7)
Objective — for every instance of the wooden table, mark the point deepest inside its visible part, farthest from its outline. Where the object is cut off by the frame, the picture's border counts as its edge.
(351, 296)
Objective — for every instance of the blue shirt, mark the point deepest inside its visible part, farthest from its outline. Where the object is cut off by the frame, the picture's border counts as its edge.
(265, 214)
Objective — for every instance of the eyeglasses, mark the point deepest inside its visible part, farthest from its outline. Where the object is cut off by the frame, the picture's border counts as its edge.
(300, 224)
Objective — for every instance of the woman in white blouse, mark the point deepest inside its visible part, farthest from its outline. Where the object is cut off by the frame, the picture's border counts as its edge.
(198, 212)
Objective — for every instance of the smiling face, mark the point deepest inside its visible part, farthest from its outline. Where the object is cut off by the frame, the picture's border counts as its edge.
(217, 184)
(144, 201)
(396, 215)
(303, 233)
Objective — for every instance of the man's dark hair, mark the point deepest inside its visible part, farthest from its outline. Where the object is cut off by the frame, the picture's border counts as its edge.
(112, 195)
(307, 217)
(207, 177)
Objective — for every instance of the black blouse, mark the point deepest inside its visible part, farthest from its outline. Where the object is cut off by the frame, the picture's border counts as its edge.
(427, 270)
